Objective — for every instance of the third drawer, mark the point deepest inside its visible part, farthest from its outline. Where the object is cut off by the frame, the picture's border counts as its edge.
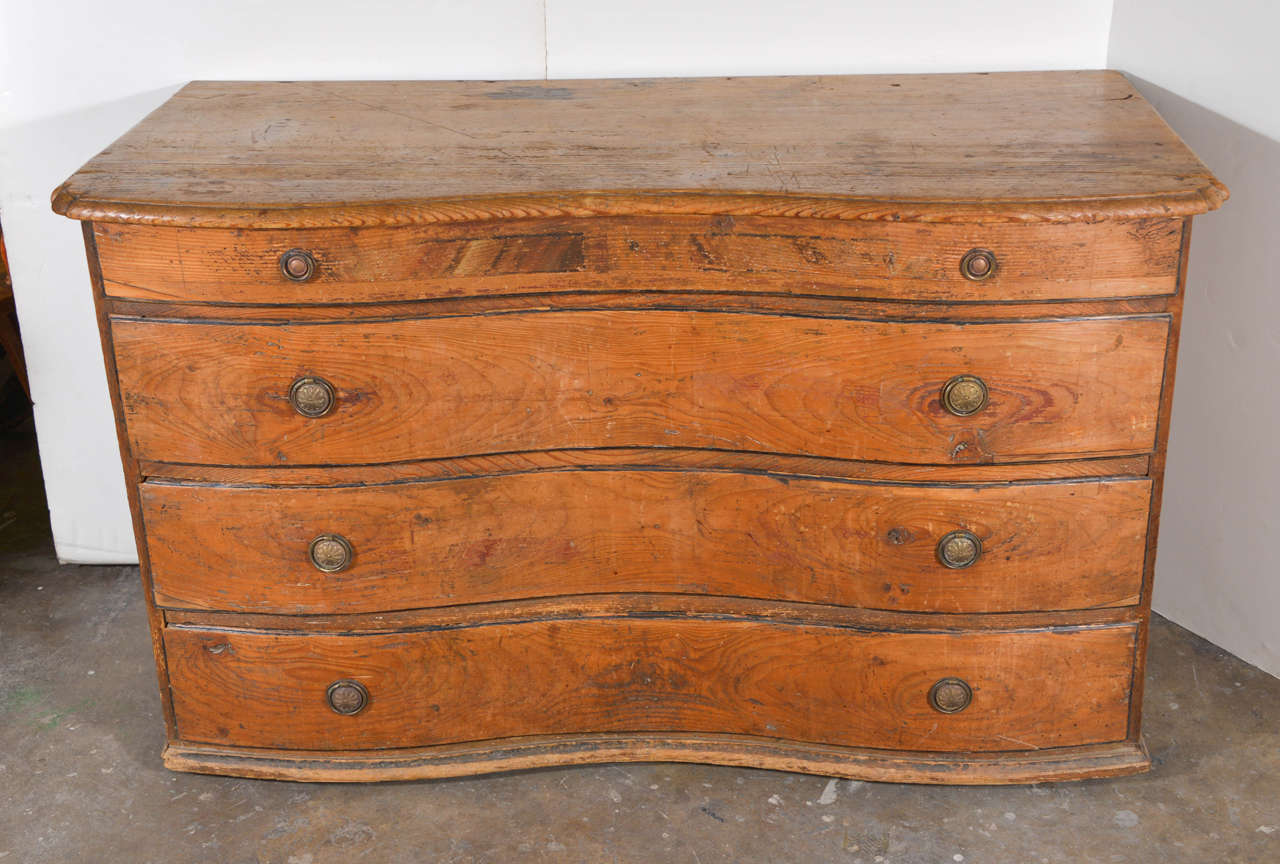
(1031, 546)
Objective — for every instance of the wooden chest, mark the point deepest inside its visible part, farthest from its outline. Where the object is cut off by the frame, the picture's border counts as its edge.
(807, 423)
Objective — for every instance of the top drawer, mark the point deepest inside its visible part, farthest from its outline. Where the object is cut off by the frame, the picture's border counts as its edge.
(753, 255)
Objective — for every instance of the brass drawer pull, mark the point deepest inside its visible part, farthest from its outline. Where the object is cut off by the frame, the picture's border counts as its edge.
(312, 397)
(347, 697)
(959, 549)
(978, 264)
(298, 265)
(964, 395)
(950, 696)
(331, 553)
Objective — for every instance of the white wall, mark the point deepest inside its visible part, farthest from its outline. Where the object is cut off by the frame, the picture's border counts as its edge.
(74, 74)
(1222, 56)
(766, 37)
(1212, 71)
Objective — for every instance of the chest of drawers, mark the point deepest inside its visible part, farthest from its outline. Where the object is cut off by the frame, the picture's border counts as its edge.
(807, 423)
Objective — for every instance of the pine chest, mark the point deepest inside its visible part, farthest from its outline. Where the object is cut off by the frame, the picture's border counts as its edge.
(807, 423)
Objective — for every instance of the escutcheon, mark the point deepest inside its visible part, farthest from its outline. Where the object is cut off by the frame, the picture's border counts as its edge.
(298, 265)
(312, 397)
(950, 695)
(347, 697)
(978, 264)
(964, 395)
(959, 549)
(331, 553)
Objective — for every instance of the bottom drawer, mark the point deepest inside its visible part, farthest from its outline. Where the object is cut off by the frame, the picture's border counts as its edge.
(822, 684)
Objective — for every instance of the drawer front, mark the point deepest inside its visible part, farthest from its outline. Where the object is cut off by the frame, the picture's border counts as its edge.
(1030, 689)
(214, 393)
(1044, 546)
(870, 260)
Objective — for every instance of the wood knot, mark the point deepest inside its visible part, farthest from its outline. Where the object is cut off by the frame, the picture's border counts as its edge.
(899, 536)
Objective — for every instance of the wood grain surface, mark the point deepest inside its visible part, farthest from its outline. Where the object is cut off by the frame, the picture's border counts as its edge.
(1026, 146)
(1046, 546)
(1031, 689)
(900, 261)
(217, 393)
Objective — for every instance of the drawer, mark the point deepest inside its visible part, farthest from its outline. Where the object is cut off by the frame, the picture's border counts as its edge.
(815, 257)
(831, 685)
(219, 393)
(1043, 546)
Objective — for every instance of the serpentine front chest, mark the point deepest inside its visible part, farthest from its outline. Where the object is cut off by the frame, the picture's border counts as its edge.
(807, 423)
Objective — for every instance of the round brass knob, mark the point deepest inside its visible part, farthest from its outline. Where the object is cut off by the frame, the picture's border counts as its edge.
(312, 397)
(298, 265)
(331, 553)
(978, 264)
(950, 695)
(347, 697)
(964, 395)
(959, 549)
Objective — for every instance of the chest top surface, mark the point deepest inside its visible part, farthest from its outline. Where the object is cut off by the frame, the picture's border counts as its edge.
(1039, 146)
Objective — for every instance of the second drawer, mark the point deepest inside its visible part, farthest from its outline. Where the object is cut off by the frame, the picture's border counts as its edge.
(996, 548)
(427, 388)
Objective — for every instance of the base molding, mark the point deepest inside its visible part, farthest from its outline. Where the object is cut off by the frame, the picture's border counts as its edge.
(516, 754)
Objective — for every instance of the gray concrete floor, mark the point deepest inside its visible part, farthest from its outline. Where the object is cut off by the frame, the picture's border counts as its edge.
(81, 779)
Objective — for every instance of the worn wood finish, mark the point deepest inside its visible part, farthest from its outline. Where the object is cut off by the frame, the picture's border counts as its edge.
(631, 457)
(1037, 146)
(1031, 689)
(1045, 546)
(898, 261)
(522, 754)
(211, 393)
(641, 379)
